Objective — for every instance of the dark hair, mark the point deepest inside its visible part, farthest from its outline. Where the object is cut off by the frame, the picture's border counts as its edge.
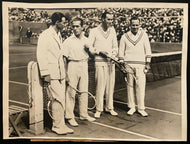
(57, 16)
(104, 14)
(134, 18)
(78, 19)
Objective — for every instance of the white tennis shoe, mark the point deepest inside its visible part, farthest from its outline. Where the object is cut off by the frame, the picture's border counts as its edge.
(73, 122)
(143, 113)
(62, 131)
(88, 118)
(112, 112)
(97, 114)
(131, 111)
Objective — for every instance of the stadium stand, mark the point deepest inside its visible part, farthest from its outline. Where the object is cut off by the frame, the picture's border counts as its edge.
(161, 24)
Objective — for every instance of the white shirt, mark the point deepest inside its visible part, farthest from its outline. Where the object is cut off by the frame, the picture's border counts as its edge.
(73, 48)
(135, 48)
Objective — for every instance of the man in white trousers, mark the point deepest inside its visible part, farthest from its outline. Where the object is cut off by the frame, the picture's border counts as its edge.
(103, 39)
(52, 69)
(77, 72)
(135, 50)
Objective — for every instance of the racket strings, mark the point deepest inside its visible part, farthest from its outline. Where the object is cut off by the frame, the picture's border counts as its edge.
(51, 99)
(90, 96)
(125, 68)
(127, 71)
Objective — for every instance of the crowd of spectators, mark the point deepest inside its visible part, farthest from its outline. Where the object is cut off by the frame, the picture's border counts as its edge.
(161, 24)
(29, 15)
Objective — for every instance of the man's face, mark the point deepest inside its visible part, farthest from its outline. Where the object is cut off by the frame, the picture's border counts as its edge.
(61, 24)
(135, 25)
(77, 28)
(108, 20)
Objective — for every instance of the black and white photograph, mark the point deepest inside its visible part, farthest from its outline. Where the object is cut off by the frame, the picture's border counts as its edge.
(107, 71)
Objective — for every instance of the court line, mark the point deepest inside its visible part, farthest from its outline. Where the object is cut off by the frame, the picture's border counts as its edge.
(22, 54)
(119, 129)
(19, 83)
(18, 67)
(164, 111)
(126, 131)
(108, 126)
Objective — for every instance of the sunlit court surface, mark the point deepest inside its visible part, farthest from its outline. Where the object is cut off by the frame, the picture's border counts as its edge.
(163, 103)
(165, 97)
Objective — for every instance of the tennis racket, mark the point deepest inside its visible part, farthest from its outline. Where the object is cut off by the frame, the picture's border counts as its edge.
(91, 97)
(51, 99)
(125, 68)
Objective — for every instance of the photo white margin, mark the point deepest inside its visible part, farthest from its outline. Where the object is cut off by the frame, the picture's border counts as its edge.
(5, 6)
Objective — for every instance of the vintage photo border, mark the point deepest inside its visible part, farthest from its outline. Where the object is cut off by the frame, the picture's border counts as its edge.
(5, 6)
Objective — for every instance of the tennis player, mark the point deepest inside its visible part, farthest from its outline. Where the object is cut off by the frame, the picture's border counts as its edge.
(77, 72)
(135, 50)
(103, 39)
(52, 69)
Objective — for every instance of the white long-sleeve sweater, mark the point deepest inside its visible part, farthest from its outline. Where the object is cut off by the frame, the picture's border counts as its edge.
(103, 41)
(135, 49)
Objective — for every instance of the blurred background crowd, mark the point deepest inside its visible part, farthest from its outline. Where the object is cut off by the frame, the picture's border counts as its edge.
(161, 24)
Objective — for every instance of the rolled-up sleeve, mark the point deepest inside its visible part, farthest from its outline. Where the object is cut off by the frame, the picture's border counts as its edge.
(88, 44)
(91, 41)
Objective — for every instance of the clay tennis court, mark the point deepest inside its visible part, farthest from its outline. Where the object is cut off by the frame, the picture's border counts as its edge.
(163, 104)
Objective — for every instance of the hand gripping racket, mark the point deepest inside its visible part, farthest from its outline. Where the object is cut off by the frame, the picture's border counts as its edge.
(125, 68)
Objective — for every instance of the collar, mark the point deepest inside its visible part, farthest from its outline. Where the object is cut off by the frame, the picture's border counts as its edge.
(100, 27)
(52, 30)
(105, 34)
(134, 39)
(56, 36)
(82, 36)
(138, 33)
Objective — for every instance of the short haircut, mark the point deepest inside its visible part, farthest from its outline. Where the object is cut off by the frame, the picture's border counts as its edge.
(105, 13)
(134, 18)
(78, 19)
(57, 16)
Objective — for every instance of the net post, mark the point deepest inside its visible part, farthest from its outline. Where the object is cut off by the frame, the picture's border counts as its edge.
(36, 116)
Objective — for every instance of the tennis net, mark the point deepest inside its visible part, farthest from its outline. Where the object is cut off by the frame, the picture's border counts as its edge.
(163, 65)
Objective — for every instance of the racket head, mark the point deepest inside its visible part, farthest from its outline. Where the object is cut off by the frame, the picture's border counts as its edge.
(49, 109)
(91, 101)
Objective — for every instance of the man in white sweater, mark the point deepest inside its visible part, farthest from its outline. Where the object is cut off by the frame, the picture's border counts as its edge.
(103, 39)
(135, 50)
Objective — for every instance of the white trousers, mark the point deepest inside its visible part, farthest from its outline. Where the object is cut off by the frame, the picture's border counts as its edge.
(105, 82)
(136, 88)
(78, 76)
(57, 90)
